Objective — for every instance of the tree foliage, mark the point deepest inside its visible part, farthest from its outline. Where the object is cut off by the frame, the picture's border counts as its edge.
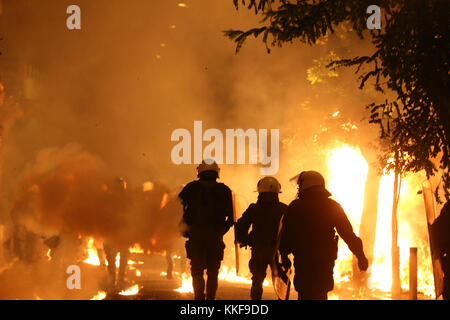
(409, 58)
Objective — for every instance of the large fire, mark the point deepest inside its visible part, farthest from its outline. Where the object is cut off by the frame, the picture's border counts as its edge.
(92, 258)
(346, 181)
(381, 277)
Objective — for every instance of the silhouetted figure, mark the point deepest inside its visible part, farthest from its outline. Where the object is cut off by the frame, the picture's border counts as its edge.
(169, 232)
(25, 244)
(207, 216)
(100, 250)
(264, 217)
(112, 248)
(23, 241)
(441, 231)
(309, 234)
(111, 251)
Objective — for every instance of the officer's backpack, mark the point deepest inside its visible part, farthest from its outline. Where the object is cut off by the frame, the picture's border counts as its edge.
(206, 205)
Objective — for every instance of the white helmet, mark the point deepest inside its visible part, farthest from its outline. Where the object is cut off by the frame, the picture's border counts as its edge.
(208, 165)
(309, 179)
(269, 184)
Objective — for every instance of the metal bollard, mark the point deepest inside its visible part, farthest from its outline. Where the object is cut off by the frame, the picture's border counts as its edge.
(413, 273)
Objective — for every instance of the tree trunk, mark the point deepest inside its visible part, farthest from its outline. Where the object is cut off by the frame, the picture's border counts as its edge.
(396, 285)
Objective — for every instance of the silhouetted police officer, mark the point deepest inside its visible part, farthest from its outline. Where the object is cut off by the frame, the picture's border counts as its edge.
(207, 216)
(111, 248)
(264, 217)
(308, 232)
(441, 231)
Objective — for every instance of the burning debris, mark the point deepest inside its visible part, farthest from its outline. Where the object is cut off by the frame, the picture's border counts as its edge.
(225, 274)
(130, 291)
(101, 295)
(186, 284)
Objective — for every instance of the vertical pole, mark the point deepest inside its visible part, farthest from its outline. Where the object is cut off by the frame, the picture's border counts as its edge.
(413, 273)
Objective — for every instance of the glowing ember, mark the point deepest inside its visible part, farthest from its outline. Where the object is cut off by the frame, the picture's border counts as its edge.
(147, 186)
(130, 291)
(138, 273)
(118, 260)
(164, 200)
(99, 296)
(48, 254)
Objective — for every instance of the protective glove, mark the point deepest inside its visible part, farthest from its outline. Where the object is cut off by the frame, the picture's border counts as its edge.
(242, 242)
(185, 234)
(363, 263)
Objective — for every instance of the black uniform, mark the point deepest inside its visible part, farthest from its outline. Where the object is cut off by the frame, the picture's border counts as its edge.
(112, 247)
(111, 250)
(208, 215)
(264, 216)
(441, 231)
(309, 233)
